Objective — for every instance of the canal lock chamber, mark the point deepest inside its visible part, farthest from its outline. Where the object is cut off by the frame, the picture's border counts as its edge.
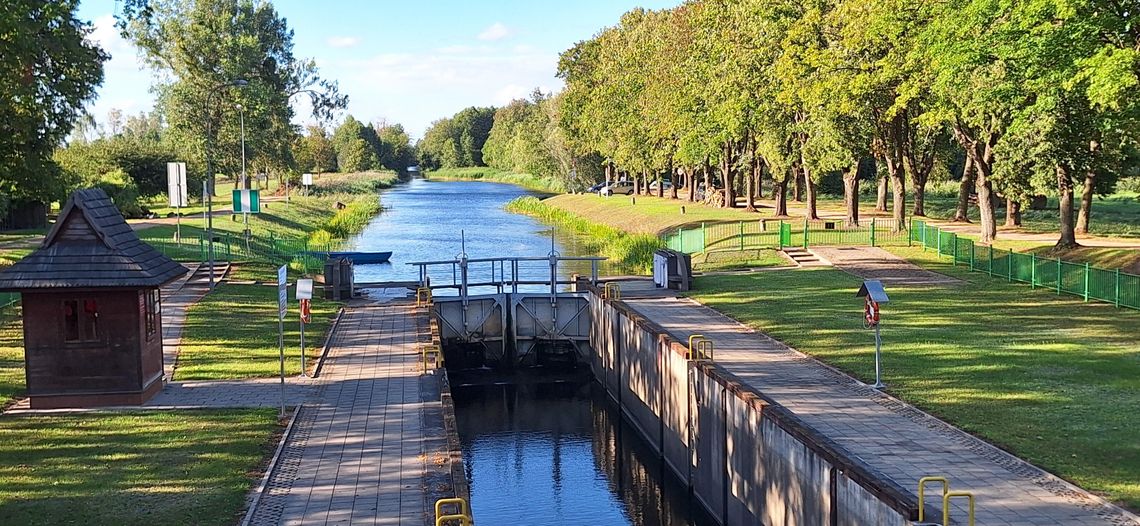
(610, 423)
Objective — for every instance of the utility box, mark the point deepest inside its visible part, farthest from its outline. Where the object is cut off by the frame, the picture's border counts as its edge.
(672, 269)
(339, 277)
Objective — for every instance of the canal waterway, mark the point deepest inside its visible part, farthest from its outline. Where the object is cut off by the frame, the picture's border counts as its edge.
(423, 220)
(559, 453)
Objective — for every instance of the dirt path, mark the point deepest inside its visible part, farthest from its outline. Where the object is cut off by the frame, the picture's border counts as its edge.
(876, 263)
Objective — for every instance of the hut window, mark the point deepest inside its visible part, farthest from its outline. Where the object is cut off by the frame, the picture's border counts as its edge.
(151, 313)
(80, 320)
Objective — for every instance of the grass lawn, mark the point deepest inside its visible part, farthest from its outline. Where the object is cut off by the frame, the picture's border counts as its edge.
(232, 332)
(1049, 378)
(648, 215)
(186, 467)
(734, 259)
(11, 355)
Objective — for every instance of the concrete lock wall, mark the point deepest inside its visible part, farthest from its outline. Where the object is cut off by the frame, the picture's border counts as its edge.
(745, 458)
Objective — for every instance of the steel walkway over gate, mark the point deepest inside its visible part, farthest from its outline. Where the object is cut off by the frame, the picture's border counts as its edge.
(508, 311)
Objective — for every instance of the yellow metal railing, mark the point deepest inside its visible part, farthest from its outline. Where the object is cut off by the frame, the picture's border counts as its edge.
(431, 350)
(700, 348)
(946, 506)
(612, 291)
(423, 297)
(946, 496)
(462, 515)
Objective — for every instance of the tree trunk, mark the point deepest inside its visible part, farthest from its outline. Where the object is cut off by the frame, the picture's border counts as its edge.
(750, 201)
(660, 185)
(1012, 212)
(797, 188)
(780, 194)
(673, 180)
(881, 198)
(636, 184)
(986, 205)
(962, 213)
(609, 173)
(919, 199)
(981, 155)
(1086, 203)
(851, 194)
(1065, 190)
(729, 178)
(810, 187)
(691, 181)
(898, 203)
(708, 179)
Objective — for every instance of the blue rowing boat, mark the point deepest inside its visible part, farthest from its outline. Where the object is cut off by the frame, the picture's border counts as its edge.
(358, 258)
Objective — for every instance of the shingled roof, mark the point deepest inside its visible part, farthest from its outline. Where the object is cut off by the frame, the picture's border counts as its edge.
(91, 246)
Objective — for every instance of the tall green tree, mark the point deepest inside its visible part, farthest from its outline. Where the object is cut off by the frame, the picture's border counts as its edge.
(205, 45)
(51, 69)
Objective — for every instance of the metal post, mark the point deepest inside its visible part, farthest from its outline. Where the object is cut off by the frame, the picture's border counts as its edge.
(805, 233)
(878, 359)
(681, 239)
(303, 347)
(704, 236)
(991, 253)
(1116, 294)
(1058, 275)
(924, 237)
(1086, 282)
(939, 239)
(742, 236)
(972, 264)
(873, 234)
(954, 243)
(1032, 270)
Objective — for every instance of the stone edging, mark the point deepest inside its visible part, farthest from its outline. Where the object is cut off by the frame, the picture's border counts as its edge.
(255, 498)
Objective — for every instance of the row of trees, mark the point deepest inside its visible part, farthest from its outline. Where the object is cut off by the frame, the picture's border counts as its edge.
(356, 147)
(456, 141)
(526, 138)
(1035, 96)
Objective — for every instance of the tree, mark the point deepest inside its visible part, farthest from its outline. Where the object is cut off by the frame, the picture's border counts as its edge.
(51, 70)
(398, 152)
(457, 141)
(314, 152)
(205, 44)
(355, 146)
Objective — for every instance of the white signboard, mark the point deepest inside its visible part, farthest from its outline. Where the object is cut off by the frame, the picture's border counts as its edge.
(307, 179)
(282, 291)
(176, 184)
(304, 289)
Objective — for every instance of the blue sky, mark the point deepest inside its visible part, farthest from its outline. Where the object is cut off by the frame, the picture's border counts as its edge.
(409, 62)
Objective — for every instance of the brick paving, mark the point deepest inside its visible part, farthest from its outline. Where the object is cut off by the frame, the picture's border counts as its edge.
(894, 438)
(357, 453)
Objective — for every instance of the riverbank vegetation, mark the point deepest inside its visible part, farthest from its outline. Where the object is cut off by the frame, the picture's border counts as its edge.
(132, 468)
(494, 175)
(1055, 386)
(632, 251)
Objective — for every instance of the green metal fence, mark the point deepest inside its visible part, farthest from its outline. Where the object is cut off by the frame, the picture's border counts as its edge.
(8, 299)
(744, 235)
(1079, 279)
(235, 248)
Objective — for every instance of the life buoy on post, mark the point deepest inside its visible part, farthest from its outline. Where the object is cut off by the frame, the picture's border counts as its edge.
(306, 312)
(871, 312)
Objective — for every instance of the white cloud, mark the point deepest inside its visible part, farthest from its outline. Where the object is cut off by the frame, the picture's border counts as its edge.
(496, 31)
(511, 92)
(343, 41)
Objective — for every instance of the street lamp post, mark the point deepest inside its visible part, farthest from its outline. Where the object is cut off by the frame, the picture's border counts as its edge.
(244, 178)
(210, 173)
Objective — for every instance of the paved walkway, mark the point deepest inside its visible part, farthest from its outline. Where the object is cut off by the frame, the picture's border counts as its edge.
(894, 438)
(357, 454)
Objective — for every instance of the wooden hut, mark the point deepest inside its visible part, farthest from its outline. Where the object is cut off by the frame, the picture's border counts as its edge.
(91, 307)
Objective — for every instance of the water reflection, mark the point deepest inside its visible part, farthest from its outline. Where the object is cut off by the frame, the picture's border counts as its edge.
(559, 454)
(422, 221)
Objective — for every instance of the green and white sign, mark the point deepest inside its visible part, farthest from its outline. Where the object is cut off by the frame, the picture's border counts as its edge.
(247, 202)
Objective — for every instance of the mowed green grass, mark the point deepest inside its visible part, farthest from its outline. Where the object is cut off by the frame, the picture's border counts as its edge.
(232, 332)
(187, 467)
(738, 259)
(1049, 378)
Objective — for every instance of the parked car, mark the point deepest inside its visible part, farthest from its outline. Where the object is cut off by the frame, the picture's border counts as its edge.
(666, 184)
(596, 188)
(617, 188)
